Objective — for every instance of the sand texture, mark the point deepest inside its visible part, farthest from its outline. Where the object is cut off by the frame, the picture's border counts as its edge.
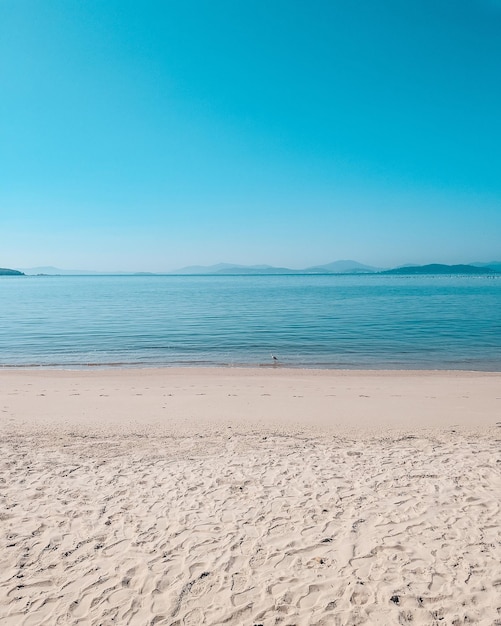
(249, 497)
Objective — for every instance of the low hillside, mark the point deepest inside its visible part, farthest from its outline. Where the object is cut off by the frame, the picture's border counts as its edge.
(6, 272)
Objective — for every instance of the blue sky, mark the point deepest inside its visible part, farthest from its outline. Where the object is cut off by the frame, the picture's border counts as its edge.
(147, 135)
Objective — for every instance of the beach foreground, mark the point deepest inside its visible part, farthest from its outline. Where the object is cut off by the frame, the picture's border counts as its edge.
(234, 496)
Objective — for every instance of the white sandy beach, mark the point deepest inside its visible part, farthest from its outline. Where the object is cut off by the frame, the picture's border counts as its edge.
(246, 497)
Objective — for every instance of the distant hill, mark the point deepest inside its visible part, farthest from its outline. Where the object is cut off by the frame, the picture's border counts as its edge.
(343, 267)
(493, 265)
(229, 268)
(438, 268)
(207, 269)
(259, 269)
(6, 272)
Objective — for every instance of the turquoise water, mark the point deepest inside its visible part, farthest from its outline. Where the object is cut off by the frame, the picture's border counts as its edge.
(307, 321)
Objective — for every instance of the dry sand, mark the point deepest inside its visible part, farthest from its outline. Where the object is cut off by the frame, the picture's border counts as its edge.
(189, 497)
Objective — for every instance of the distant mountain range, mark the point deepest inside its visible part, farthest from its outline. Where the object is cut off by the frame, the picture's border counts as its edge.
(337, 267)
(343, 267)
(49, 270)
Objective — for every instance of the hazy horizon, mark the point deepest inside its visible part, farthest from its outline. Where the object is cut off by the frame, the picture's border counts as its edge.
(150, 136)
(51, 268)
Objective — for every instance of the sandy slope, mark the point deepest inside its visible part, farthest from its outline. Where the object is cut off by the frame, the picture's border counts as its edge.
(250, 497)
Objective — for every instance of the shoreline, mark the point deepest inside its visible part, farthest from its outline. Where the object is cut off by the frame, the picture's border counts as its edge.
(113, 367)
(385, 367)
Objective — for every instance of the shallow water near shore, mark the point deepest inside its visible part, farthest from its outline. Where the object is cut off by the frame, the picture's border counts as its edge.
(312, 321)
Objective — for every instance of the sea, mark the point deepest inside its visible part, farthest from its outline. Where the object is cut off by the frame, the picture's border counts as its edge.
(305, 321)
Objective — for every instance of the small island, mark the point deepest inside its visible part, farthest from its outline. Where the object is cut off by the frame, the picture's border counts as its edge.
(6, 272)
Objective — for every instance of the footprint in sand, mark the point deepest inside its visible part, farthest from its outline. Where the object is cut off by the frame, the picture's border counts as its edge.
(239, 582)
(311, 598)
(257, 559)
(360, 597)
(203, 583)
(193, 618)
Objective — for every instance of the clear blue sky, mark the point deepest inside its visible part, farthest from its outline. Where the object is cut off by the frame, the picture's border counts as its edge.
(147, 135)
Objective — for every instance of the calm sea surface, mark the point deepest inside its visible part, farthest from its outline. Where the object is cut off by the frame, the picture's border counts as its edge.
(307, 321)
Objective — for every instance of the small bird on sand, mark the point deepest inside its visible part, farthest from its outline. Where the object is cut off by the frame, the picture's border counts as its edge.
(275, 359)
